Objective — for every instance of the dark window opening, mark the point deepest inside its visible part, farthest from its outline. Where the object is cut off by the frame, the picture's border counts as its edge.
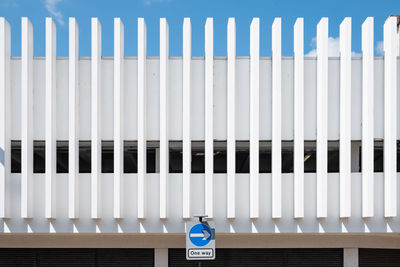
(62, 157)
(39, 157)
(333, 156)
(15, 156)
(152, 158)
(287, 156)
(310, 157)
(264, 157)
(85, 156)
(107, 156)
(175, 157)
(220, 157)
(370, 257)
(265, 163)
(356, 154)
(78, 257)
(130, 156)
(242, 156)
(378, 156)
(398, 157)
(39, 153)
(198, 159)
(288, 257)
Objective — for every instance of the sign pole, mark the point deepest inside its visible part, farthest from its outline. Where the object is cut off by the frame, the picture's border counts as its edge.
(200, 220)
(200, 217)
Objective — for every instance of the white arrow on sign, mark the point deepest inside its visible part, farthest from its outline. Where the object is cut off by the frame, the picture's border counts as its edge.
(205, 235)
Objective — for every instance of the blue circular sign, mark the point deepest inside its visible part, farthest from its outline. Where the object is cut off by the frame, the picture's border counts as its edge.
(200, 235)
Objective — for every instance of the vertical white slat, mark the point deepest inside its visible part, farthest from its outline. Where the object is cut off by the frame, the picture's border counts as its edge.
(398, 34)
(298, 159)
(96, 119)
(322, 117)
(231, 137)
(368, 118)
(5, 114)
(50, 106)
(254, 116)
(164, 148)
(345, 118)
(186, 140)
(209, 102)
(118, 117)
(276, 153)
(141, 158)
(390, 46)
(73, 94)
(26, 117)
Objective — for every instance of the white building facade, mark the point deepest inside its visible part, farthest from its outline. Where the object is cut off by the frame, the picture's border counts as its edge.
(280, 152)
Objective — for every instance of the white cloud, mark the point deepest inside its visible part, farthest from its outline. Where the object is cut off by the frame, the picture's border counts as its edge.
(333, 48)
(379, 48)
(355, 54)
(51, 6)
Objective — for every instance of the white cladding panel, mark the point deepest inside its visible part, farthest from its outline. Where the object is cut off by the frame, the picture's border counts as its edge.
(242, 212)
(175, 223)
(249, 213)
(197, 109)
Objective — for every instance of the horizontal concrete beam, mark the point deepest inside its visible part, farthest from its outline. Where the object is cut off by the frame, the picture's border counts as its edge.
(388, 241)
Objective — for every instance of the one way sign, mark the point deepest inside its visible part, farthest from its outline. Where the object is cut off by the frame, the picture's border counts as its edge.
(200, 241)
(205, 235)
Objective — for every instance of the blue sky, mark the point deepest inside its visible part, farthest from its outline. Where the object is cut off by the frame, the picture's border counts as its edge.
(198, 11)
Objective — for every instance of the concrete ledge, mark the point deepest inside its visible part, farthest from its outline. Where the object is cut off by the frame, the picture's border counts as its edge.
(178, 240)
